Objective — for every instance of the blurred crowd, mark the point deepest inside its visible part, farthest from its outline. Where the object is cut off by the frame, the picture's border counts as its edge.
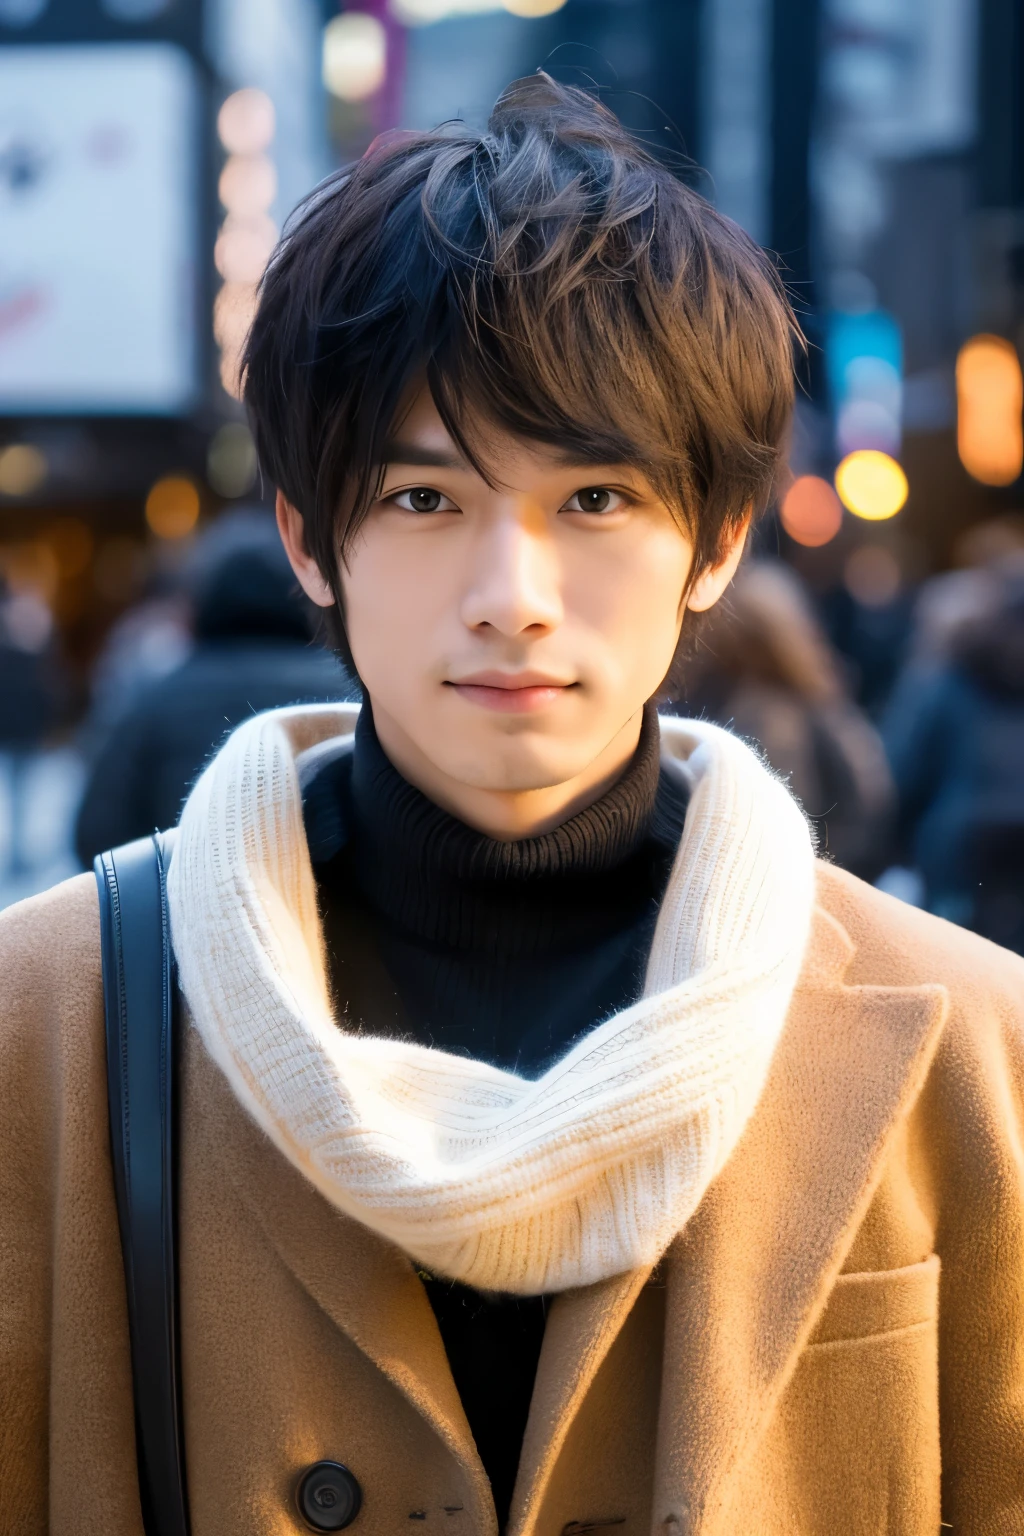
(906, 755)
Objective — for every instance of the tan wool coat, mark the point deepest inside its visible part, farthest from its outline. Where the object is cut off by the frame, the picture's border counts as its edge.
(835, 1343)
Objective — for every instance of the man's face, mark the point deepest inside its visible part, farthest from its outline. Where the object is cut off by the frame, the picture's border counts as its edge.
(510, 633)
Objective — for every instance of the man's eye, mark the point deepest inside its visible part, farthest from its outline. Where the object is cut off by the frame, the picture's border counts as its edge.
(422, 498)
(594, 498)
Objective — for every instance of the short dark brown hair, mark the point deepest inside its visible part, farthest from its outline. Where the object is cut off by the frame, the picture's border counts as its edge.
(548, 275)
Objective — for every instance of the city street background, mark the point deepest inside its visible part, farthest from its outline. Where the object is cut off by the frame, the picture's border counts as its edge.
(151, 152)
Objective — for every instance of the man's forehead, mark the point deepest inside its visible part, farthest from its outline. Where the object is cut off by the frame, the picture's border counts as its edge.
(421, 440)
(430, 446)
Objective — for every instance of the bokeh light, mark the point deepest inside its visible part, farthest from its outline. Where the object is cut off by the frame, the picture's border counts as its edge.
(870, 413)
(811, 512)
(244, 247)
(231, 374)
(421, 13)
(28, 619)
(354, 55)
(23, 469)
(871, 484)
(172, 507)
(30, 566)
(417, 13)
(533, 7)
(233, 311)
(245, 122)
(246, 240)
(248, 185)
(990, 402)
(231, 459)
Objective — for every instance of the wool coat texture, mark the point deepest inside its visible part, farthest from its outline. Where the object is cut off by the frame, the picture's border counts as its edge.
(834, 1343)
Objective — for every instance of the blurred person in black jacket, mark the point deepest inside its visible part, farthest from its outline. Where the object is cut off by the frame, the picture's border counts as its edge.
(763, 666)
(252, 651)
(955, 734)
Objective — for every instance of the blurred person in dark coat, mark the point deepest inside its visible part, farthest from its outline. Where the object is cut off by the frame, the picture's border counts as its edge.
(148, 641)
(763, 666)
(251, 651)
(982, 556)
(955, 734)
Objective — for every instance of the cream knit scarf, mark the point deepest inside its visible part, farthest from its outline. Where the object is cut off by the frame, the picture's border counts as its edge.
(488, 1178)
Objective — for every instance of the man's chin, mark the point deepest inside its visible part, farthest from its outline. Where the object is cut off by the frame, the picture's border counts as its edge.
(518, 772)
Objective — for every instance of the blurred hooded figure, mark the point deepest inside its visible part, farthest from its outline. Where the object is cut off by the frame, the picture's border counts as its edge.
(252, 651)
(955, 733)
(763, 667)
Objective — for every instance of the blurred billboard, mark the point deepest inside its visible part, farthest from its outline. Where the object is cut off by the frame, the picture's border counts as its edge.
(99, 207)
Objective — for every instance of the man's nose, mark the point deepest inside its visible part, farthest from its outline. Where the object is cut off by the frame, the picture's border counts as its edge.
(515, 578)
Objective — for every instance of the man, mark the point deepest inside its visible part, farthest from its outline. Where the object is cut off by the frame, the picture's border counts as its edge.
(562, 1147)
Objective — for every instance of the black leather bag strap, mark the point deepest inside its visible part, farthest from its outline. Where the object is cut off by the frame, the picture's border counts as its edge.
(139, 1005)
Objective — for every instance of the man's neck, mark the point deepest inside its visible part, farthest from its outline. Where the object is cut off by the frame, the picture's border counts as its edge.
(508, 815)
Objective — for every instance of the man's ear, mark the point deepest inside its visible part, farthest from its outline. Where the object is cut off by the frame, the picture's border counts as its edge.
(293, 536)
(710, 584)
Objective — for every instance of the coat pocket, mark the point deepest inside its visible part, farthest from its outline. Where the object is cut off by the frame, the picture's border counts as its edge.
(872, 1303)
(854, 1442)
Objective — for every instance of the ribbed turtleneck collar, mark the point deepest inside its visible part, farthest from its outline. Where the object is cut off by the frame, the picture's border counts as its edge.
(403, 821)
(426, 873)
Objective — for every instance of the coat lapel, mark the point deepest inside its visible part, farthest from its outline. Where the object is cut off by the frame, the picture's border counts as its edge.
(581, 1328)
(365, 1285)
(748, 1278)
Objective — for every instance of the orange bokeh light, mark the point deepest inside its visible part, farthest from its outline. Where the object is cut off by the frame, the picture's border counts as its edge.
(811, 512)
(990, 400)
(172, 507)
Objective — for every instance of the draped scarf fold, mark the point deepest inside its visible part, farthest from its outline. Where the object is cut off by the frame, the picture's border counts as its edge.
(499, 1182)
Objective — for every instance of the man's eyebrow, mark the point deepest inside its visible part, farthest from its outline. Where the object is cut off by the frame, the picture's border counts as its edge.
(418, 457)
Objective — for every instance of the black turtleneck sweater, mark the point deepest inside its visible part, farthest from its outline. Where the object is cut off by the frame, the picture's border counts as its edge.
(504, 951)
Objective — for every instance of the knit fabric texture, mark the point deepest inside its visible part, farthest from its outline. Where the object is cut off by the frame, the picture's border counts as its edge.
(504, 951)
(498, 1181)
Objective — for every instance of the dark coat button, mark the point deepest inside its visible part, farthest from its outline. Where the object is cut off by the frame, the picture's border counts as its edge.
(328, 1496)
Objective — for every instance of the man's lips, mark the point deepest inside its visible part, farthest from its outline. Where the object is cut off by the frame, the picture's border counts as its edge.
(510, 692)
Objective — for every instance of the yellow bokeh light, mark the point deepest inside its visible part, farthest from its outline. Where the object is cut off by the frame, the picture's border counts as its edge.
(990, 400)
(533, 7)
(172, 507)
(871, 484)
